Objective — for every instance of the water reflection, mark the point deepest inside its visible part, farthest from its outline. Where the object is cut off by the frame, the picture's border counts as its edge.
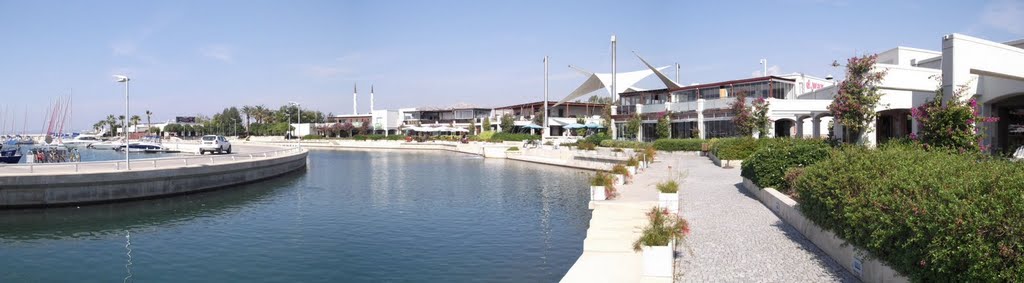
(95, 221)
(352, 216)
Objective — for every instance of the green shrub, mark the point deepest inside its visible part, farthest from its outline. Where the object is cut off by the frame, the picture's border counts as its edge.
(632, 161)
(312, 137)
(668, 187)
(767, 166)
(932, 215)
(623, 144)
(514, 148)
(485, 135)
(662, 228)
(620, 169)
(395, 137)
(359, 138)
(514, 137)
(597, 138)
(678, 144)
(585, 145)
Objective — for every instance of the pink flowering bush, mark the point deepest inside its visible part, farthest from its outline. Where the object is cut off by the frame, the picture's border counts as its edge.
(748, 119)
(951, 125)
(854, 105)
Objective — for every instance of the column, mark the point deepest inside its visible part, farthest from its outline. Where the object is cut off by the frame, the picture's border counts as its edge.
(816, 127)
(799, 127)
(700, 118)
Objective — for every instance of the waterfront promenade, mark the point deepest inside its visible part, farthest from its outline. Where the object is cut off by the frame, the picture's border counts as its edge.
(734, 238)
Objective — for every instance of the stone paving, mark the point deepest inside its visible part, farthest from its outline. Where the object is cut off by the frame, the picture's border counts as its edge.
(734, 238)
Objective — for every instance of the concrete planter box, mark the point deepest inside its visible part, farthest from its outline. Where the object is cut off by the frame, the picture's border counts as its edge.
(632, 170)
(597, 193)
(722, 163)
(619, 179)
(658, 261)
(669, 201)
(858, 262)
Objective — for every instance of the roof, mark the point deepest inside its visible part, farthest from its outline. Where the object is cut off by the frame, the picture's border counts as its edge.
(740, 81)
(551, 104)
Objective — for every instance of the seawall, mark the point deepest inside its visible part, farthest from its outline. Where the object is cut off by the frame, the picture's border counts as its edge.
(62, 188)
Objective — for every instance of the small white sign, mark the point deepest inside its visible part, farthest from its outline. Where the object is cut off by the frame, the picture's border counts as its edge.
(858, 266)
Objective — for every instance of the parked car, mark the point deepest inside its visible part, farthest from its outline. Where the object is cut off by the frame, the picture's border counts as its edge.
(214, 143)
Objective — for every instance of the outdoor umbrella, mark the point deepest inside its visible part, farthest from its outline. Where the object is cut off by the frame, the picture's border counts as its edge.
(532, 126)
(574, 126)
(593, 125)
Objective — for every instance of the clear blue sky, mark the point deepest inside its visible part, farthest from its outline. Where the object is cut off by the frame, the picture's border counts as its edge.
(188, 57)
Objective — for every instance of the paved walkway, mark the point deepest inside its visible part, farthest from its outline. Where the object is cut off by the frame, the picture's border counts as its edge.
(608, 254)
(735, 238)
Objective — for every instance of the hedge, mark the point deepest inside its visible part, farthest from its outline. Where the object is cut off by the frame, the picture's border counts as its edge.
(735, 148)
(933, 216)
(623, 144)
(678, 144)
(767, 166)
(513, 137)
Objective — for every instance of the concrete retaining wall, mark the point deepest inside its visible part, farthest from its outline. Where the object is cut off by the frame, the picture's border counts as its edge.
(855, 260)
(720, 163)
(72, 189)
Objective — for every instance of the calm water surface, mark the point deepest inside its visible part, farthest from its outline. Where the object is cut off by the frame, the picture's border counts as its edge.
(351, 216)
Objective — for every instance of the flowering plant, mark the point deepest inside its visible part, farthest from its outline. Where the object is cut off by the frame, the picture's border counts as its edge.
(953, 124)
(854, 105)
(662, 228)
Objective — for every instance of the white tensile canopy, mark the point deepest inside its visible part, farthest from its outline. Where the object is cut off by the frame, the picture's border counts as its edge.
(595, 81)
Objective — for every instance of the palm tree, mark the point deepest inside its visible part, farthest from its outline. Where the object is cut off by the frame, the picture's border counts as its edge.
(247, 111)
(99, 125)
(135, 121)
(112, 121)
(124, 128)
(149, 122)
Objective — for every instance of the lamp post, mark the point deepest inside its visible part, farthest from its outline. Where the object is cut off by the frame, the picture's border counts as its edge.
(299, 119)
(764, 67)
(127, 159)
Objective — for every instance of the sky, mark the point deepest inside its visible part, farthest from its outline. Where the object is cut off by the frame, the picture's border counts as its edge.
(198, 57)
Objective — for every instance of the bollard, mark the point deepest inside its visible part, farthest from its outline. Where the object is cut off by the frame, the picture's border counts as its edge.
(117, 166)
(154, 164)
(76, 167)
(186, 162)
(211, 160)
(31, 169)
(250, 157)
(232, 158)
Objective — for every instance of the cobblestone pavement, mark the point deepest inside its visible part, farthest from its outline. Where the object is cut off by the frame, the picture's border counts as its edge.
(734, 238)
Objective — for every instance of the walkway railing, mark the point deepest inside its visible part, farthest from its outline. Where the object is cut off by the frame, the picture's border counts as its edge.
(140, 164)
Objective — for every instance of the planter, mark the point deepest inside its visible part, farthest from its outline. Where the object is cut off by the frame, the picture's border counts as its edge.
(669, 201)
(658, 261)
(619, 179)
(597, 193)
(632, 170)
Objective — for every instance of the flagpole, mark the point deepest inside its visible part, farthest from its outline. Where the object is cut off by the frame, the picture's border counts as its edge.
(615, 95)
(544, 133)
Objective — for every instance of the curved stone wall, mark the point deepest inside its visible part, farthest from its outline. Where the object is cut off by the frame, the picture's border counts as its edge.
(40, 190)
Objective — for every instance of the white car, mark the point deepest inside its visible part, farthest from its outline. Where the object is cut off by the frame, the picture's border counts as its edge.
(214, 143)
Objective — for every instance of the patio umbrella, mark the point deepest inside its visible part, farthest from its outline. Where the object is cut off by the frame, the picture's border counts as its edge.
(593, 125)
(574, 126)
(532, 126)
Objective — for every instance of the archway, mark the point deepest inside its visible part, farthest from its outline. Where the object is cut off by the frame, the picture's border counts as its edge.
(891, 124)
(783, 128)
(1008, 135)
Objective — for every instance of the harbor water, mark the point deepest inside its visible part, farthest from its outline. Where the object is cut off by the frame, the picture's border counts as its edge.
(350, 217)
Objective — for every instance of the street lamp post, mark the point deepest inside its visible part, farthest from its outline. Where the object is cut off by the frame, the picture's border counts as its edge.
(298, 119)
(127, 159)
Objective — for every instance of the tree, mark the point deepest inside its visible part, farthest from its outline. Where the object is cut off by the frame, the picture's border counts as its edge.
(248, 111)
(507, 123)
(854, 105)
(120, 122)
(953, 125)
(472, 126)
(487, 124)
(149, 118)
(599, 99)
(741, 116)
(99, 125)
(664, 125)
(606, 118)
(135, 121)
(759, 117)
(632, 127)
(538, 119)
(112, 121)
